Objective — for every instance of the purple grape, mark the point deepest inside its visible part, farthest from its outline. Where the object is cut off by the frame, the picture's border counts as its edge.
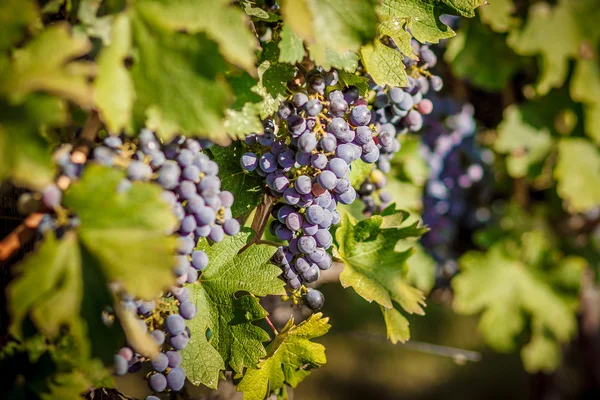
(231, 227)
(267, 162)
(313, 107)
(360, 115)
(283, 233)
(174, 358)
(180, 341)
(187, 310)
(299, 100)
(158, 336)
(323, 238)
(328, 143)
(347, 197)
(216, 233)
(293, 221)
(301, 265)
(312, 274)
(339, 167)
(157, 383)
(291, 196)
(307, 244)
(176, 379)
(314, 299)
(307, 142)
(121, 365)
(174, 324)
(327, 179)
(309, 229)
(314, 214)
(159, 362)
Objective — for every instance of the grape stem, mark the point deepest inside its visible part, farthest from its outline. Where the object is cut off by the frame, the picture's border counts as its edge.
(261, 217)
(23, 233)
(271, 325)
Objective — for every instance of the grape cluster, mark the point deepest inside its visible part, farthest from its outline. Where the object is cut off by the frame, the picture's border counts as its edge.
(192, 188)
(398, 111)
(455, 186)
(306, 161)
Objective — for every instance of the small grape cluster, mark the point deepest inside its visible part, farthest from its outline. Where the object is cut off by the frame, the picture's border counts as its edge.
(398, 111)
(192, 188)
(306, 163)
(456, 164)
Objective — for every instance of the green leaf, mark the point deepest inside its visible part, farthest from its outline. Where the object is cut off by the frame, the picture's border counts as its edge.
(577, 173)
(99, 27)
(541, 354)
(499, 15)
(374, 269)
(585, 88)
(227, 311)
(506, 289)
(384, 64)
(128, 238)
(359, 171)
(290, 46)
(113, 89)
(290, 358)
(24, 153)
(556, 34)
(258, 12)
(247, 189)
(524, 142)
(331, 26)
(422, 17)
(50, 288)
(16, 17)
(218, 19)
(178, 81)
(421, 270)
(350, 79)
(328, 58)
(46, 64)
(476, 45)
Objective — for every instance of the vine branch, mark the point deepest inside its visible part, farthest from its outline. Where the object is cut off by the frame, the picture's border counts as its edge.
(261, 217)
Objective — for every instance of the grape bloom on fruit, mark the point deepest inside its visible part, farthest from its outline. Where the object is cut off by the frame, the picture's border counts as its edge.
(305, 154)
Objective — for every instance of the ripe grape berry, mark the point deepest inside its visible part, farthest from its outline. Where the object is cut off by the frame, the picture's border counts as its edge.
(306, 162)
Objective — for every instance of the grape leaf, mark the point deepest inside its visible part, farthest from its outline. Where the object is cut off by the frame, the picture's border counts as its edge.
(99, 27)
(45, 64)
(577, 173)
(498, 14)
(374, 269)
(556, 34)
(585, 88)
(421, 269)
(228, 313)
(384, 64)
(328, 58)
(247, 189)
(290, 46)
(507, 284)
(422, 16)
(258, 12)
(524, 142)
(24, 153)
(290, 357)
(50, 288)
(128, 238)
(222, 22)
(331, 26)
(113, 88)
(16, 17)
(178, 81)
(350, 79)
(476, 45)
(359, 171)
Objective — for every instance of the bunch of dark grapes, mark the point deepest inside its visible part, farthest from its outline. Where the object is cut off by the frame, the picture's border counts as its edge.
(397, 111)
(191, 186)
(305, 154)
(456, 190)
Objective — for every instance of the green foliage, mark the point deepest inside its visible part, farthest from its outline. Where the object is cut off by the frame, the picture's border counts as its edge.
(227, 307)
(578, 174)
(476, 45)
(557, 33)
(375, 270)
(24, 153)
(290, 358)
(517, 282)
